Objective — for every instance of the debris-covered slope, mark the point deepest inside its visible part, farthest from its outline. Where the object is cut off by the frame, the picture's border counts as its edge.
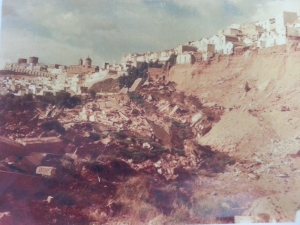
(259, 92)
(157, 154)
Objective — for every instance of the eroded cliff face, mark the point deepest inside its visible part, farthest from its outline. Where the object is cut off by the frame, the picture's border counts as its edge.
(268, 110)
(259, 91)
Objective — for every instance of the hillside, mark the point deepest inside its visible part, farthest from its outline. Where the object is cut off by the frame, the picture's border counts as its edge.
(107, 85)
(259, 91)
(217, 142)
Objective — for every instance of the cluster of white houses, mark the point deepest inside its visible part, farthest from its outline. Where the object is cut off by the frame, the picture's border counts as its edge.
(41, 85)
(54, 78)
(235, 39)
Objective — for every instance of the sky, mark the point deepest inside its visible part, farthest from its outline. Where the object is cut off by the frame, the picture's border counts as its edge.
(62, 31)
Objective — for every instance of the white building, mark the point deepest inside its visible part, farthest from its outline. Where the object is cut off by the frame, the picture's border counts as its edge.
(203, 43)
(267, 39)
(141, 58)
(196, 44)
(283, 19)
(248, 42)
(185, 58)
(226, 43)
(275, 29)
(215, 40)
(235, 26)
(165, 55)
(228, 48)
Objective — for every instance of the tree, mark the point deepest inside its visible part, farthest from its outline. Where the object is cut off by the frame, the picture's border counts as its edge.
(62, 98)
(92, 93)
(73, 101)
(172, 60)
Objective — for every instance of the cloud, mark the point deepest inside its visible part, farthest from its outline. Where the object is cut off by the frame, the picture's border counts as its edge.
(105, 29)
(24, 44)
(8, 10)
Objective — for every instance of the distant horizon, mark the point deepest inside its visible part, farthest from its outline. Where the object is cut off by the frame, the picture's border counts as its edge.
(63, 32)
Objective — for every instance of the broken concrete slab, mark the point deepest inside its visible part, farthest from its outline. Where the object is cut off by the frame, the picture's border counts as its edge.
(124, 90)
(41, 144)
(173, 110)
(195, 118)
(160, 132)
(136, 85)
(46, 171)
(5, 218)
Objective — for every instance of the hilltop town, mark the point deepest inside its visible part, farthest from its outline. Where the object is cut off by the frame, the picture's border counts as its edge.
(236, 39)
(206, 132)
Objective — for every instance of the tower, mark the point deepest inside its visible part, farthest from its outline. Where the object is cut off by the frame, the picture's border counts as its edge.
(80, 62)
(33, 60)
(88, 62)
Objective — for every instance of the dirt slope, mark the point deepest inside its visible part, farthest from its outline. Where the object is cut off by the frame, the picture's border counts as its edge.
(260, 125)
(267, 111)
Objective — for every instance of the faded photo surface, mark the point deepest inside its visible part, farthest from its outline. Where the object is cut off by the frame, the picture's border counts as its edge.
(149, 112)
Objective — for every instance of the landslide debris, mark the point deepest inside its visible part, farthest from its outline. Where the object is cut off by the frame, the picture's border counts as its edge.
(150, 155)
(111, 158)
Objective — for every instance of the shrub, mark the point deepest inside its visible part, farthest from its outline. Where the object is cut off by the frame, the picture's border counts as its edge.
(92, 93)
(136, 97)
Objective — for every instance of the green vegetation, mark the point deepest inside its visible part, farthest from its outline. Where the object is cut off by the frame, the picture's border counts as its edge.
(30, 102)
(62, 99)
(108, 85)
(133, 74)
(213, 161)
(136, 97)
(53, 125)
(171, 61)
(180, 132)
(12, 102)
(135, 152)
(92, 93)
(155, 64)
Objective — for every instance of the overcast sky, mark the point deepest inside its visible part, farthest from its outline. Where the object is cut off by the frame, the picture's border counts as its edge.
(62, 31)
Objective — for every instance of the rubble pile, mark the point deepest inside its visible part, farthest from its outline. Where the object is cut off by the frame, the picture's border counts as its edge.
(95, 148)
(87, 161)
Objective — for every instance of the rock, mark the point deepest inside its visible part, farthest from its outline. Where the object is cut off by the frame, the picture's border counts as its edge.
(146, 145)
(49, 198)
(135, 112)
(253, 176)
(157, 164)
(247, 88)
(46, 170)
(160, 132)
(284, 108)
(92, 118)
(195, 118)
(159, 171)
(6, 219)
(124, 90)
(173, 110)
